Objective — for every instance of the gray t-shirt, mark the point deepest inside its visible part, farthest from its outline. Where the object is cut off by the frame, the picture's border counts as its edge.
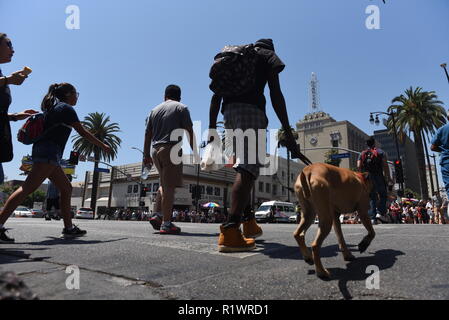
(165, 118)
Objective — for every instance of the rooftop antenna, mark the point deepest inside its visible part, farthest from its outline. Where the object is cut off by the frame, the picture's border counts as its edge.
(314, 94)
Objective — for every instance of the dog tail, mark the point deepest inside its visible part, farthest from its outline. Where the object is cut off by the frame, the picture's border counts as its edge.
(305, 185)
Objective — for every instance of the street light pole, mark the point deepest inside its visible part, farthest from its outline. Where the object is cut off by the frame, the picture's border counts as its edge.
(444, 66)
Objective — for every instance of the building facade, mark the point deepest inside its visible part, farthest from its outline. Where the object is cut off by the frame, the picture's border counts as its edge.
(123, 190)
(320, 133)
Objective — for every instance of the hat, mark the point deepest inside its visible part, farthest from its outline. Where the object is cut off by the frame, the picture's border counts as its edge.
(265, 43)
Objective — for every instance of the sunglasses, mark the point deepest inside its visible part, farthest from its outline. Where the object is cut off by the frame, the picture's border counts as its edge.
(9, 44)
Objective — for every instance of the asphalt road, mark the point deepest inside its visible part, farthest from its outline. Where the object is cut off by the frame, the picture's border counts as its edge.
(128, 260)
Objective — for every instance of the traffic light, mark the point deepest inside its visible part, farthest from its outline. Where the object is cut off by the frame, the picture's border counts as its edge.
(399, 171)
(143, 191)
(74, 157)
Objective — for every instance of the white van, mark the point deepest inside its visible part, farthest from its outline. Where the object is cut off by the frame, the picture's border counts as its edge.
(275, 211)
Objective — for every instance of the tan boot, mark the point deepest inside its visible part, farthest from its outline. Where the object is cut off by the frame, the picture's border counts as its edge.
(232, 240)
(251, 229)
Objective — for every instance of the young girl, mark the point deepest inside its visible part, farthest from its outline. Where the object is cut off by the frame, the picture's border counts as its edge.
(60, 118)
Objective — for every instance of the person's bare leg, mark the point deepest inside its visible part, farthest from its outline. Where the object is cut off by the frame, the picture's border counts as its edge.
(241, 191)
(39, 173)
(168, 197)
(158, 204)
(59, 178)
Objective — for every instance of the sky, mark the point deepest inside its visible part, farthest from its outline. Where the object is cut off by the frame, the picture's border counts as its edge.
(125, 53)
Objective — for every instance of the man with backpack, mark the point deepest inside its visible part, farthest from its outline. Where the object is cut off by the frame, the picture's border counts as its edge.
(239, 77)
(374, 161)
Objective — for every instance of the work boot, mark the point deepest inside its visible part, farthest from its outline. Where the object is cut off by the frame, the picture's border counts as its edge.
(232, 240)
(251, 229)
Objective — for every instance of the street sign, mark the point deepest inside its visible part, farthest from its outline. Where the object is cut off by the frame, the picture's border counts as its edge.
(103, 170)
(340, 156)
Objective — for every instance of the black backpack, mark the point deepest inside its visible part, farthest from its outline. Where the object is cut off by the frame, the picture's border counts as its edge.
(233, 73)
(372, 161)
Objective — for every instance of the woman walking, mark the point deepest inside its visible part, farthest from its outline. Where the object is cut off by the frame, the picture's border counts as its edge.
(60, 118)
(16, 78)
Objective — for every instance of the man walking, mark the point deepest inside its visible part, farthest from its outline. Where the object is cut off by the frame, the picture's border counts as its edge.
(374, 161)
(440, 144)
(246, 111)
(169, 116)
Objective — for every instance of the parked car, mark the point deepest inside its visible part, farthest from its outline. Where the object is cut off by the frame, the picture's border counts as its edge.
(37, 213)
(22, 212)
(275, 211)
(84, 213)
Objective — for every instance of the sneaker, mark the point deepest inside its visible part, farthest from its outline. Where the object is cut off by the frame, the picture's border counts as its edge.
(170, 229)
(74, 233)
(373, 221)
(251, 229)
(232, 240)
(4, 238)
(156, 222)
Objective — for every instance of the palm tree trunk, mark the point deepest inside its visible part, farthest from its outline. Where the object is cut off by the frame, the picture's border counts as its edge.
(95, 179)
(429, 165)
(421, 164)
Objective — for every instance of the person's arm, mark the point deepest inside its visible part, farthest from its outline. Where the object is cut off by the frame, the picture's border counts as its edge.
(359, 165)
(16, 78)
(278, 100)
(147, 160)
(21, 115)
(90, 137)
(215, 104)
(386, 170)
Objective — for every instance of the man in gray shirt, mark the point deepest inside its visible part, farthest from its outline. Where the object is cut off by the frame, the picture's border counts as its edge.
(163, 120)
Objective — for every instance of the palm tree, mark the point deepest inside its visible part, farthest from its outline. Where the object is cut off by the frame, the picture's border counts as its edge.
(421, 113)
(99, 125)
(282, 142)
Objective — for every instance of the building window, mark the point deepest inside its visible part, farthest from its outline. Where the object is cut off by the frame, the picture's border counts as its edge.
(283, 174)
(292, 177)
(275, 190)
(136, 188)
(130, 189)
(260, 186)
(268, 188)
(283, 191)
(209, 191)
(217, 192)
(155, 187)
(202, 189)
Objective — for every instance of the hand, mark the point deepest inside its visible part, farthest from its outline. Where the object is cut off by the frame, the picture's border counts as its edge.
(25, 114)
(148, 161)
(17, 78)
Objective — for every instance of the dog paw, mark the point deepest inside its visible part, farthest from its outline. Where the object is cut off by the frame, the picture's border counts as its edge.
(324, 274)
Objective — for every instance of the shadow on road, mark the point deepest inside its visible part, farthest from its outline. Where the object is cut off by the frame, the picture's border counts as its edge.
(187, 234)
(12, 255)
(77, 241)
(356, 270)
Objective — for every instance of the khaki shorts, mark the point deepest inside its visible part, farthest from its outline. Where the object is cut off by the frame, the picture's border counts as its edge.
(170, 175)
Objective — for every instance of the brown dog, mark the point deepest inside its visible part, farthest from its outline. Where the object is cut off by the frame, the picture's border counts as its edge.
(328, 191)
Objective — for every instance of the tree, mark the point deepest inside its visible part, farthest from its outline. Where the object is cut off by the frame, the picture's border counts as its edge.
(282, 138)
(418, 112)
(99, 125)
(328, 158)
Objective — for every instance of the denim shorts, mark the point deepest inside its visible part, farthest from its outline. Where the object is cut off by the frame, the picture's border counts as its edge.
(47, 152)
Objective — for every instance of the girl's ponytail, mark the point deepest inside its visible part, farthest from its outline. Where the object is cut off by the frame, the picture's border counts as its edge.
(56, 92)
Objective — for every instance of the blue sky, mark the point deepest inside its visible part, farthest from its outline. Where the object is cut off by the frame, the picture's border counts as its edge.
(126, 53)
